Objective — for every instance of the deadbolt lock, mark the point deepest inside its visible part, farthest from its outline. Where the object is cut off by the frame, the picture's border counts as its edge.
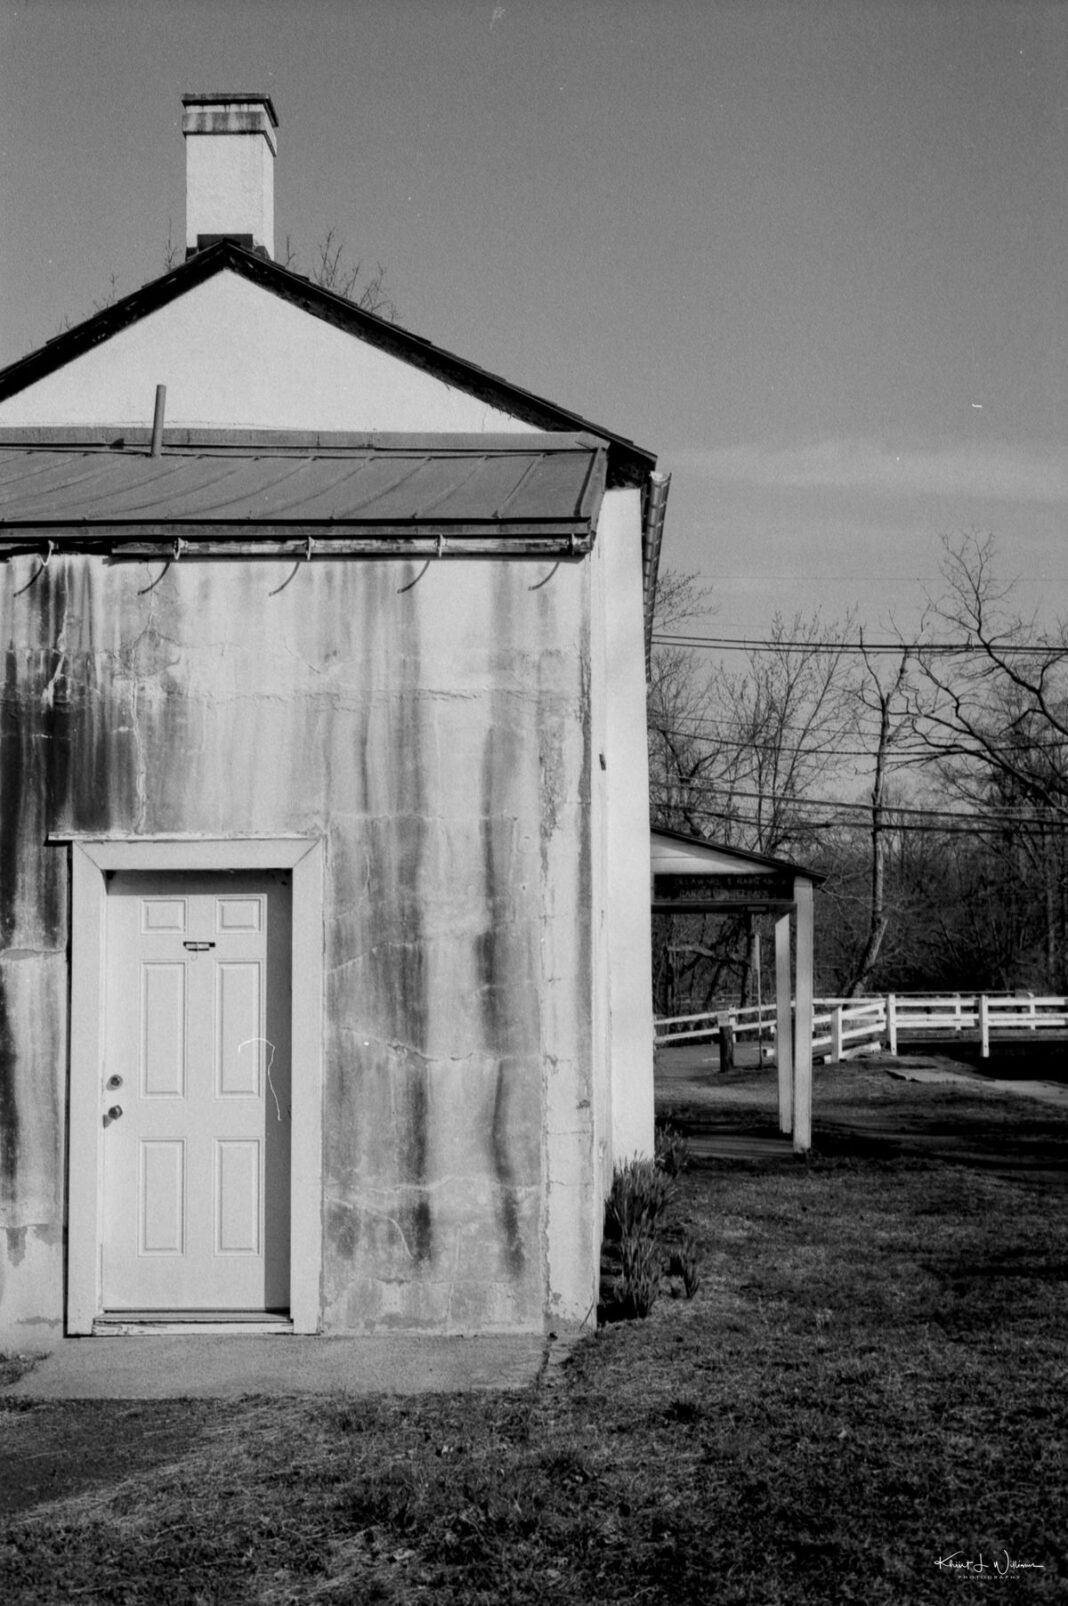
(115, 1081)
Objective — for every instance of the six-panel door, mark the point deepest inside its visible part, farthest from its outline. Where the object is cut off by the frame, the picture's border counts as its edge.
(195, 1100)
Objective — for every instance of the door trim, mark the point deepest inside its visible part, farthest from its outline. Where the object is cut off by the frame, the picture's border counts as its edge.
(91, 860)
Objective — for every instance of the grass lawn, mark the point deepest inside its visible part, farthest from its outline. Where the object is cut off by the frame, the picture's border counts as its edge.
(871, 1377)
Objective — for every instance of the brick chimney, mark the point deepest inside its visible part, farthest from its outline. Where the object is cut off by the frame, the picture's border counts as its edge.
(230, 146)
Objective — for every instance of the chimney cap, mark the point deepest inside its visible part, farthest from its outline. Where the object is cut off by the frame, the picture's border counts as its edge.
(228, 98)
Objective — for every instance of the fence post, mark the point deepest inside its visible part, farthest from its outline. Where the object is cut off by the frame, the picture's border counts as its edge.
(726, 1043)
(984, 1026)
(891, 1023)
(836, 1032)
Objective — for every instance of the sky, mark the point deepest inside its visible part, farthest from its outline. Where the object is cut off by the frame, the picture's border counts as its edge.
(814, 255)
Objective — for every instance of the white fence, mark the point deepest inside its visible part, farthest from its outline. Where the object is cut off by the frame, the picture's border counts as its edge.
(842, 1027)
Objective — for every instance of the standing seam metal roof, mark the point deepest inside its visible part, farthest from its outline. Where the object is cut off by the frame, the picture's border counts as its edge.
(559, 485)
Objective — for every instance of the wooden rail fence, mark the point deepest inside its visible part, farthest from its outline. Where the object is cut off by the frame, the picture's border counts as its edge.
(843, 1027)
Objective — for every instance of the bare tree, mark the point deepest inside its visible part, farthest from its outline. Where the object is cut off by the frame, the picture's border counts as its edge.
(733, 755)
(997, 703)
(883, 699)
(993, 715)
(791, 714)
(333, 271)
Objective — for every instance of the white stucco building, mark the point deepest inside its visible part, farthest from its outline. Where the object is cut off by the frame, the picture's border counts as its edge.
(324, 840)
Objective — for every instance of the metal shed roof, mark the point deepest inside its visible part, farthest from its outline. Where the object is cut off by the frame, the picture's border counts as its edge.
(520, 486)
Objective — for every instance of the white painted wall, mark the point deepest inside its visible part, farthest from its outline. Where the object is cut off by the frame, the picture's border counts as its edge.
(624, 900)
(234, 355)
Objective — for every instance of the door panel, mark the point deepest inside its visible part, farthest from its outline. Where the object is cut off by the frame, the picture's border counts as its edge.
(162, 1059)
(239, 1040)
(196, 1096)
(161, 1197)
(238, 1194)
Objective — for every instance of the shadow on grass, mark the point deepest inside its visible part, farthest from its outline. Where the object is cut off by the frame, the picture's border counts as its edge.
(862, 1115)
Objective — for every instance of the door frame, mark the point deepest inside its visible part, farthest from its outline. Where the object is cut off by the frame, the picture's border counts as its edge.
(91, 860)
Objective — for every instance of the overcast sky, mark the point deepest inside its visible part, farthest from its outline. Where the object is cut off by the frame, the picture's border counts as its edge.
(812, 254)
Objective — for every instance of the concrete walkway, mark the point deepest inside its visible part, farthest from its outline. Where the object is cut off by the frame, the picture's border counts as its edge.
(211, 1367)
(1046, 1092)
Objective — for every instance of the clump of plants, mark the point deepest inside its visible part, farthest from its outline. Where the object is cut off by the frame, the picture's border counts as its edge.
(637, 1215)
(12, 1367)
(683, 1264)
(672, 1150)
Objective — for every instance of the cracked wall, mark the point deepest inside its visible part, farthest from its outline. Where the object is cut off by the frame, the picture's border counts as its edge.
(437, 739)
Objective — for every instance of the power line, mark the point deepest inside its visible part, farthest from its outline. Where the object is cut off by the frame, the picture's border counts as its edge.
(988, 820)
(905, 751)
(801, 827)
(771, 744)
(912, 648)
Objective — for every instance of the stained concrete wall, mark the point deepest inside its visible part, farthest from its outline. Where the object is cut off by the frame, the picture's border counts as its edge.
(438, 740)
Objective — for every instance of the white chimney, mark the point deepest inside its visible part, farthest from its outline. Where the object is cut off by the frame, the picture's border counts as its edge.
(230, 146)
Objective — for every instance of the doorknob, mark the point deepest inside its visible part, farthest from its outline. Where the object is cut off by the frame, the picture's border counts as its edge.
(114, 1112)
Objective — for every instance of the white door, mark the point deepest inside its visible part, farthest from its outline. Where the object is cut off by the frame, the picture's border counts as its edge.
(196, 1093)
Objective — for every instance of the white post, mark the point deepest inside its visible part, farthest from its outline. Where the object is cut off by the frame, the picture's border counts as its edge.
(984, 1026)
(891, 1023)
(803, 1030)
(784, 1024)
(759, 998)
(836, 1032)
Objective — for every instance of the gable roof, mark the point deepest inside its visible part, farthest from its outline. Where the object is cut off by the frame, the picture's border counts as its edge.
(627, 463)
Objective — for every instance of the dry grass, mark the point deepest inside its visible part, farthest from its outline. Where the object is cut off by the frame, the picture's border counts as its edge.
(871, 1376)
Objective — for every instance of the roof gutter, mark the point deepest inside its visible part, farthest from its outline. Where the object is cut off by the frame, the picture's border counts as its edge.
(653, 515)
(136, 543)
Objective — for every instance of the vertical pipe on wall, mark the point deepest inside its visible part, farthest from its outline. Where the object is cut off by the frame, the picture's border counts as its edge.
(157, 420)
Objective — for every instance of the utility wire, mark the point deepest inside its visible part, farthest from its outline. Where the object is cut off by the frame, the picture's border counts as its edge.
(913, 648)
(800, 827)
(771, 744)
(991, 818)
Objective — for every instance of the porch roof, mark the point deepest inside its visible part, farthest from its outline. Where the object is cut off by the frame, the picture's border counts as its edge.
(694, 876)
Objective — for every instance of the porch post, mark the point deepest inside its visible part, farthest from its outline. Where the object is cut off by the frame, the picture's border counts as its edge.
(803, 1017)
(784, 1023)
